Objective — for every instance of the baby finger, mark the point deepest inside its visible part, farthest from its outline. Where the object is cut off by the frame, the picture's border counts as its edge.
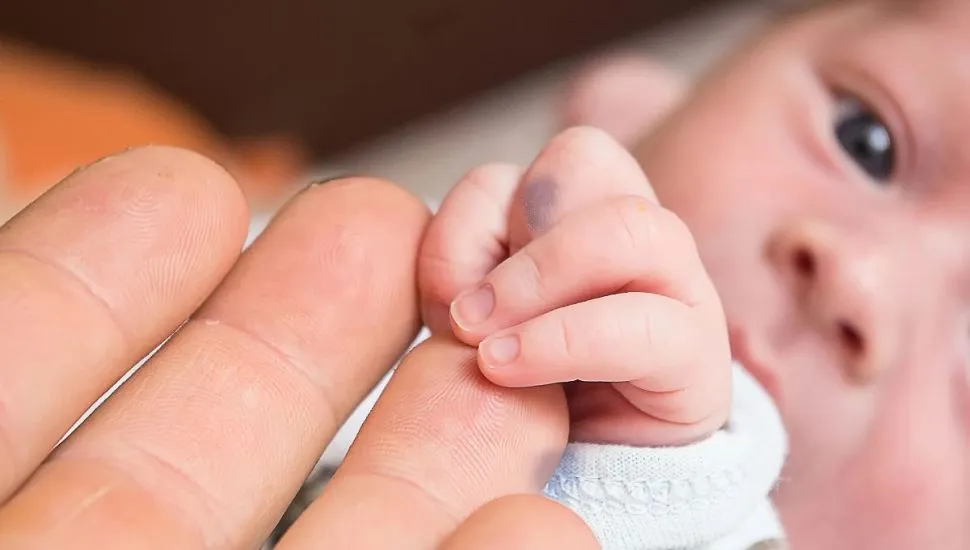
(647, 338)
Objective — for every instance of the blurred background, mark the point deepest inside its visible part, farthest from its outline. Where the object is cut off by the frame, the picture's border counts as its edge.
(285, 92)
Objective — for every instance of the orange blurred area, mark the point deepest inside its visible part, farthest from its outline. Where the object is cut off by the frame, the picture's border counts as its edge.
(57, 114)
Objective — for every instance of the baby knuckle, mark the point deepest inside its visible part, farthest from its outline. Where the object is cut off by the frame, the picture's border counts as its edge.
(491, 179)
(675, 229)
(715, 387)
(705, 403)
(532, 270)
(578, 142)
(567, 336)
(635, 222)
(436, 282)
(645, 332)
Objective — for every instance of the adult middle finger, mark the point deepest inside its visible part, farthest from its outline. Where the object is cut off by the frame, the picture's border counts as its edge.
(441, 442)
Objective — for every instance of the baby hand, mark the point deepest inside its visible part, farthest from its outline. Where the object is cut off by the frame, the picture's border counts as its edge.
(574, 274)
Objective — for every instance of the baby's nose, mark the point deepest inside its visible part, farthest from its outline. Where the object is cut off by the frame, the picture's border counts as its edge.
(845, 289)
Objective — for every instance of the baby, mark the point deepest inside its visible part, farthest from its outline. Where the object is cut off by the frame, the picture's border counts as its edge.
(799, 257)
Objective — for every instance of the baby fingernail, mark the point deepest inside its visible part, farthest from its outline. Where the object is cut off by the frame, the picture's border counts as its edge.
(473, 308)
(500, 351)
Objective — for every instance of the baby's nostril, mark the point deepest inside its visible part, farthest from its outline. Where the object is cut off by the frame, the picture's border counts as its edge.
(804, 263)
(852, 338)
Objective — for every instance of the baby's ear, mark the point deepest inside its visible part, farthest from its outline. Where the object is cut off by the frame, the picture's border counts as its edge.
(625, 95)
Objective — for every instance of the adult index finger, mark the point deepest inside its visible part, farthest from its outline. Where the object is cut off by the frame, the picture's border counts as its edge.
(441, 442)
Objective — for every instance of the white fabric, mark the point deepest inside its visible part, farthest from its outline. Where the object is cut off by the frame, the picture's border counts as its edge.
(712, 495)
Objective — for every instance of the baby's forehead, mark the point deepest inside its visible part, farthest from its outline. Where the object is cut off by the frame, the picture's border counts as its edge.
(939, 14)
(907, 37)
(945, 24)
(926, 42)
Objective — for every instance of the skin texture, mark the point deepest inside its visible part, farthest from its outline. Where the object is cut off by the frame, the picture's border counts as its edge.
(844, 292)
(206, 445)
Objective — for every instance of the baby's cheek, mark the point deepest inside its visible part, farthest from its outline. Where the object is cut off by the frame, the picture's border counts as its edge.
(914, 493)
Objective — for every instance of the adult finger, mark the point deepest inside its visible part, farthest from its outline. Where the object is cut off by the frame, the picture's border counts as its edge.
(522, 522)
(207, 443)
(466, 239)
(628, 243)
(441, 442)
(93, 276)
(579, 167)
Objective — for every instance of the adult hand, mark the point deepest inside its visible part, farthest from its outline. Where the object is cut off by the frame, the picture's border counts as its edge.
(207, 443)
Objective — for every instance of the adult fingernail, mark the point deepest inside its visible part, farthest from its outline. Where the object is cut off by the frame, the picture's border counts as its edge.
(325, 180)
(473, 308)
(500, 351)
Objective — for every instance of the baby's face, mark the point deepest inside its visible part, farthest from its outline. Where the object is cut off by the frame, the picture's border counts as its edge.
(825, 173)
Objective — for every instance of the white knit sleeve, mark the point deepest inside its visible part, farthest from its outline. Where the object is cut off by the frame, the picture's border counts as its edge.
(708, 495)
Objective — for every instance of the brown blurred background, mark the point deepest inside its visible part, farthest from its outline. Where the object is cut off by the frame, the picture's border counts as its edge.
(270, 88)
(329, 72)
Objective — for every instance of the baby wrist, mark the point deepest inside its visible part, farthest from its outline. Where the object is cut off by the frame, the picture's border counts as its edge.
(678, 497)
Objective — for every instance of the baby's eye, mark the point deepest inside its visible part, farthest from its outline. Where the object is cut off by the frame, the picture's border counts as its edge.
(865, 138)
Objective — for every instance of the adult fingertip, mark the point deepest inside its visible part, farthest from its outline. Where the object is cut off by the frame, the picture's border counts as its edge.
(163, 178)
(184, 197)
(523, 521)
(383, 222)
(167, 222)
(209, 184)
(378, 191)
